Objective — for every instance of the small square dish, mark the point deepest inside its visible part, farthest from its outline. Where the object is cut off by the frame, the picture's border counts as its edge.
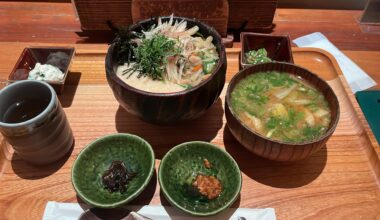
(59, 57)
(278, 47)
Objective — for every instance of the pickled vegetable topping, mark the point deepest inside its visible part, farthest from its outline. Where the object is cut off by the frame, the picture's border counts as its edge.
(259, 56)
(116, 177)
(207, 164)
(208, 186)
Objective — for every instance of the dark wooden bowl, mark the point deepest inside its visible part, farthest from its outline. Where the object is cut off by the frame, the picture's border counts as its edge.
(278, 47)
(165, 108)
(273, 149)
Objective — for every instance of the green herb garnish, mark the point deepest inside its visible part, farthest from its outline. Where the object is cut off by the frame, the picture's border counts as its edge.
(312, 133)
(259, 56)
(208, 66)
(124, 45)
(151, 56)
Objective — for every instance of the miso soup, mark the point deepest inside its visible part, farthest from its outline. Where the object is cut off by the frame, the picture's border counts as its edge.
(281, 106)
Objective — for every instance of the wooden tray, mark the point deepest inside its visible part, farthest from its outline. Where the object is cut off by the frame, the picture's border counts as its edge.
(340, 181)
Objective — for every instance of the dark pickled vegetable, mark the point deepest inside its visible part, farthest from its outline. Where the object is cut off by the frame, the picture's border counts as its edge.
(116, 177)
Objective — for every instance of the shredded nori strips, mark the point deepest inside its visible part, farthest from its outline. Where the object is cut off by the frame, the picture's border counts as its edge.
(116, 177)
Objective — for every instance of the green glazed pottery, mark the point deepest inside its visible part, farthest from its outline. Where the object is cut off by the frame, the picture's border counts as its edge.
(137, 155)
(184, 162)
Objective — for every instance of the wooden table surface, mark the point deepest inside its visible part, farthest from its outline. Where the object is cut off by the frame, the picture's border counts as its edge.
(57, 22)
(25, 24)
(41, 22)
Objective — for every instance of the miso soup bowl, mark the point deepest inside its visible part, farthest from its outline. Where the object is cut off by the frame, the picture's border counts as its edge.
(169, 108)
(274, 149)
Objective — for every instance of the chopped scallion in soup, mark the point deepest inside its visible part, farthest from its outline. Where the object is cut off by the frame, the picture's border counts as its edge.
(281, 106)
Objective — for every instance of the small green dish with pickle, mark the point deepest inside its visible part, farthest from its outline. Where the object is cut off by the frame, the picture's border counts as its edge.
(199, 178)
(113, 170)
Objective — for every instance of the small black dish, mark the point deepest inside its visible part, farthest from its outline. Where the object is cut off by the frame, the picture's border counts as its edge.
(278, 47)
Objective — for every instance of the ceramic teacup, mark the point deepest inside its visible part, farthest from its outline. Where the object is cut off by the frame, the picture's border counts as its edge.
(33, 122)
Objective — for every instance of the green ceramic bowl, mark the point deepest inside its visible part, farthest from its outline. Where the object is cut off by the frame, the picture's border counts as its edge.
(184, 162)
(92, 161)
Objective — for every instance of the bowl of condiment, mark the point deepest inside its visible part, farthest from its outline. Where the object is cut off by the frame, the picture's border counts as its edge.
(262, 48)
(281, 111)
(199, 178)
(113, 170)
(173, 71)
(49, 64)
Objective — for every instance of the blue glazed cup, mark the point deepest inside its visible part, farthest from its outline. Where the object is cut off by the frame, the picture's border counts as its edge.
(33, 122)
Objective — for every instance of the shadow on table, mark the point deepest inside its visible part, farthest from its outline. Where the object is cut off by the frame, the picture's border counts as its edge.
(272, 173)
(95, 36)
(175, 213)
(26, 170)
(147, 194)
(164, 137)
(70, 88)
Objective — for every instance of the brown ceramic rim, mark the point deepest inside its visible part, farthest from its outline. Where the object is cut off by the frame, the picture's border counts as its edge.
(221, 53)
(281, 67)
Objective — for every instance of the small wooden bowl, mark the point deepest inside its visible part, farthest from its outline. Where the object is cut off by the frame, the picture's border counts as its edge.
(273, 149)
(278, 47)
(44, 55)
(169, 108)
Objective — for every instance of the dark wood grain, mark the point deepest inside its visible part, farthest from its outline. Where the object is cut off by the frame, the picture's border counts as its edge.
(93, 15)
(57, 23)
(251, 13)
(212, 12)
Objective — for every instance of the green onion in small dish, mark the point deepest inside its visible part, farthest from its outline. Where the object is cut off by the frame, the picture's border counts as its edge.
(257, 56)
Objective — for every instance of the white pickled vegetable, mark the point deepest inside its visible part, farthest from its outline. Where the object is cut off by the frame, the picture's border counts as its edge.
(270, 133)
(309, 118)
(282, 93)
(320, 113)
(258, 125)
(300, 101)
(46, 72)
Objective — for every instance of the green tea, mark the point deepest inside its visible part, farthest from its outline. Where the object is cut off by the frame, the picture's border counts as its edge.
(281, 106)
(24, 110)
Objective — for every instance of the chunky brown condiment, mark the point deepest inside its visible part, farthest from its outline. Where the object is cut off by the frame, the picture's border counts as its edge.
(207, 164)
(208, 186)
(116, 177)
